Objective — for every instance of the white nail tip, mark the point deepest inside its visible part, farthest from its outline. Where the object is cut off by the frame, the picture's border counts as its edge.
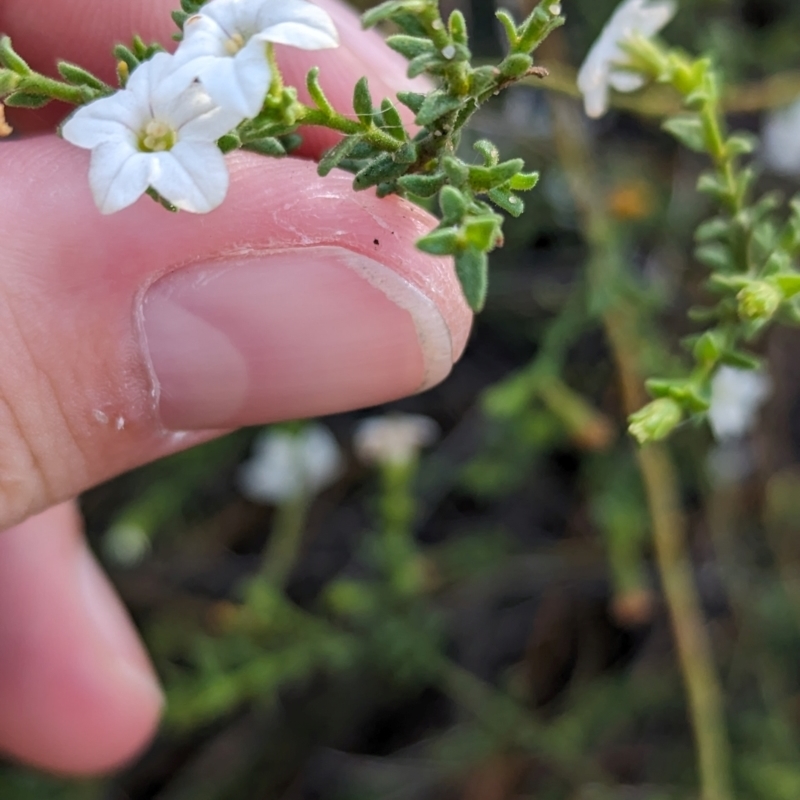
(432, 331)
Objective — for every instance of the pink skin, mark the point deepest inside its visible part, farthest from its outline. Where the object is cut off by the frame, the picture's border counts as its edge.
(118, 333)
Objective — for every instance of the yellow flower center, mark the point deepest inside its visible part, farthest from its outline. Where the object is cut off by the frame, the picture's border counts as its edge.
(234, 44)
(157, 137)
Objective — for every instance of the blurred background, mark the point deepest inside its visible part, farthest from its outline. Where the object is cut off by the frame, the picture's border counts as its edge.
(469, 607)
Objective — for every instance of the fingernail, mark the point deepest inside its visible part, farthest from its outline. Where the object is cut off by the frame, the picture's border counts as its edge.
(287, 334)
(125, 652)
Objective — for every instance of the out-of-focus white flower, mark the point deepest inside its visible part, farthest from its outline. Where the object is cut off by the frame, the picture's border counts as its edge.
(736, 396)
(226, 45)
(604, 66)
(285, 465)
(780, 142)
(160, 132)
(394, 438)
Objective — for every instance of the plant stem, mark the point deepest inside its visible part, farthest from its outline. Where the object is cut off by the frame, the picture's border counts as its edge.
(285, 540)
(620, 319)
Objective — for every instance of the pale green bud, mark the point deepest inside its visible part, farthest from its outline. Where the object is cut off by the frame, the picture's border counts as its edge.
(655, 421)
(759, 301)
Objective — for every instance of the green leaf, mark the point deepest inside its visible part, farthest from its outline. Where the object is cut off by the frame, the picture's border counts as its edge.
(411, 46)
(507, 201)
(422, 185)
(393, 122)
(441, 242)
(457, 25)
(741, 143)
(122, 53)
(411, 100)
(179, 18)
(317, 95)
(436, 105)
(481, 232)
(537, 27)
(407, 154)
(524, 181)
(515, 65)
(10, 59)
(472, 269)
(453, 204)
(81, 77)
(379, 170)
(26, 100)
(362, 102)
(269, 146)
(483, 79)
(715, 255)
(716, 228)
(8, 81)
(410, 24)
(489, 151)
(778, 263)
(456, 170)
(229, 142)
(711, 183)
(789, 284)
(688, 130)
(708, 348)
(423, 63)
(388, 10)
(509, 26)
(740, 360)
(484, 178)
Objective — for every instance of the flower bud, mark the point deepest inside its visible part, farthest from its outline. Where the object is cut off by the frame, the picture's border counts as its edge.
(759, 301)
(655, 421)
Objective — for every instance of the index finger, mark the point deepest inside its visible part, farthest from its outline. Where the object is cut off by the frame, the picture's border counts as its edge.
(85, 31)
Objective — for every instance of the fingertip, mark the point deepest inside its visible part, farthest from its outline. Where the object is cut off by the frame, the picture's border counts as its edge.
(77, 691)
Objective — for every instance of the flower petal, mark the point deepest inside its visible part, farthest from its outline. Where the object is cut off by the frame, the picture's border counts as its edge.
(296, 23)
(194, 114)
(118, 117)
(240, 83)
(161, 76)
(118, 176)
(193, 176)
(625, 81)
(202, 36)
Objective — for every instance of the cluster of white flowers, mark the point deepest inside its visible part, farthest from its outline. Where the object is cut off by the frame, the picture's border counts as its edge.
(604, 67)
(161, 130)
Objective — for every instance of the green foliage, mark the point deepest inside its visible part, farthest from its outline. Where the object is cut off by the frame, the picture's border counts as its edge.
(748, 247)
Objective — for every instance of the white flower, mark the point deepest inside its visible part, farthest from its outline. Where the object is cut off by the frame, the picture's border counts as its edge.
(604, 66)
(226, 45)
(160, 132)
(736, 396)
(285, 466)
(781, 140)
(394, 438)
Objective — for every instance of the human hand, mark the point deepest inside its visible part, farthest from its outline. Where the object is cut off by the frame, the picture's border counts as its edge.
(129, 337)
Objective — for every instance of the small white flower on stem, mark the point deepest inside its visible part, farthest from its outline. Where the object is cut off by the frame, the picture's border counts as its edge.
(285, 466)
(736, 396)
(394, 438)
(160, 132)
(604, 67)
(226, 45)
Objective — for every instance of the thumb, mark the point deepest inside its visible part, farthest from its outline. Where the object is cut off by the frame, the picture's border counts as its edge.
(124, 338)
